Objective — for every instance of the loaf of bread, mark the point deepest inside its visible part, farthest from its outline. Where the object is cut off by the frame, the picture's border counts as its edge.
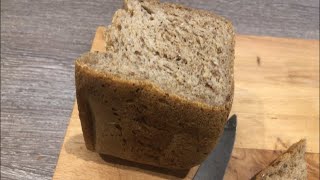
(290, 165)
(163, 90)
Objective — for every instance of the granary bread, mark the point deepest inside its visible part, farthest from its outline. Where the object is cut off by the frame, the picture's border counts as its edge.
(163, 90)
(290, 165)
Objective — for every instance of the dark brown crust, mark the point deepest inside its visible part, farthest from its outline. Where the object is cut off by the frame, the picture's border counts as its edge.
(156, 128)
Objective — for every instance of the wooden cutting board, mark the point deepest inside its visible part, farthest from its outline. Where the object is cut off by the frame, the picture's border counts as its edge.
(276, 101)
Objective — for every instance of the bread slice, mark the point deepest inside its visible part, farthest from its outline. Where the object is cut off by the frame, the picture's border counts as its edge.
(289, 165)
(163, 90)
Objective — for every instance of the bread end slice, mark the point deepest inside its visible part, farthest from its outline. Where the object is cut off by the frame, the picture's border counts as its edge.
(290, 165)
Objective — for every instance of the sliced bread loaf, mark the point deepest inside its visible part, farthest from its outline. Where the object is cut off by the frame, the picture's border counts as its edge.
(162, 92)
(289, 165)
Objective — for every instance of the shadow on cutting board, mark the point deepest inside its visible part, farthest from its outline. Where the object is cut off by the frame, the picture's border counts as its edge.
(115, 160)
(75, 145)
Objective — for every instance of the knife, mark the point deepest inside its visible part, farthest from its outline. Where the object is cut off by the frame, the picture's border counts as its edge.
(216, 163)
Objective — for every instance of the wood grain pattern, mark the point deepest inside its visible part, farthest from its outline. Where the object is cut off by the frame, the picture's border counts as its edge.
(41, 39)
(278, 98)
(254, 150)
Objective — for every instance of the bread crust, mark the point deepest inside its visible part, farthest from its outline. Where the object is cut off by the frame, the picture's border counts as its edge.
(136, 120)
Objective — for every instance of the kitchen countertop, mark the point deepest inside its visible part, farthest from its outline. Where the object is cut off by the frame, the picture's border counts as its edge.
(40, 40)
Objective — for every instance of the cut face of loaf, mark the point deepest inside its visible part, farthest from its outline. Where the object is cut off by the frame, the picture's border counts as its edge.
(186, 52)
(162, 92)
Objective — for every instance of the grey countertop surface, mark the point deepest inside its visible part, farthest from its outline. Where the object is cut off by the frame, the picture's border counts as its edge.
(40, 41)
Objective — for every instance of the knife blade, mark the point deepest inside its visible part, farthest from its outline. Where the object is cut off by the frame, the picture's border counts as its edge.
(216, 163)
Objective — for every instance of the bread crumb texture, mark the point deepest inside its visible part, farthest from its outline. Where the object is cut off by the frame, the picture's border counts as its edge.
(289, 165)
(186, 52)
